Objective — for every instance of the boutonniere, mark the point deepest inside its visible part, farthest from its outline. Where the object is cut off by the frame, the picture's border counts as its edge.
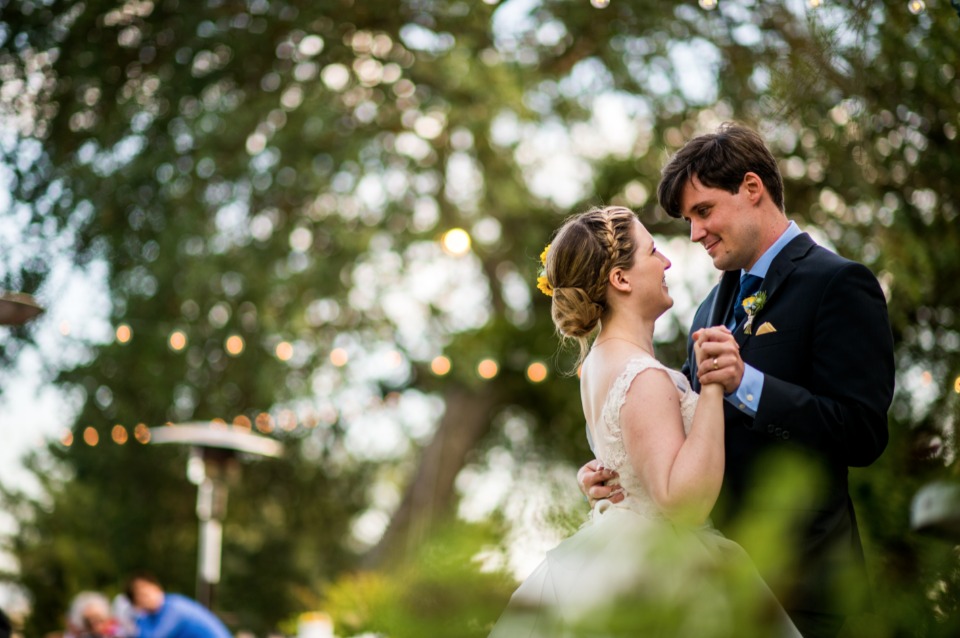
(751, 306)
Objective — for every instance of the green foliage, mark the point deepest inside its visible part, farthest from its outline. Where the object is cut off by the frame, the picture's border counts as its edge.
(442, 590)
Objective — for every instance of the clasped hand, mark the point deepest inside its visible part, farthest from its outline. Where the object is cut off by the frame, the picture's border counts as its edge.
(718, 358)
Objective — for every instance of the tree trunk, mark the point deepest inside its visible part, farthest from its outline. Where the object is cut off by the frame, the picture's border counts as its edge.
(430, 495)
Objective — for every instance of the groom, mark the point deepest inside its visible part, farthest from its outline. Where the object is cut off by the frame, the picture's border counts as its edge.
(801, 342)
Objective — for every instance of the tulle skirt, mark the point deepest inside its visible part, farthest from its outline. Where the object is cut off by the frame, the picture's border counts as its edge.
(627, 574)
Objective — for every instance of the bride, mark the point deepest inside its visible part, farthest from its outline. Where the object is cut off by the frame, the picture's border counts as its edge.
(647, 560)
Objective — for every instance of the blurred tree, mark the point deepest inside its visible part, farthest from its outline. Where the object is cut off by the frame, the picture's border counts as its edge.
(283, 173)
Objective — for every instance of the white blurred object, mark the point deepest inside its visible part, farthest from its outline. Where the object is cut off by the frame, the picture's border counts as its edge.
(315, 624)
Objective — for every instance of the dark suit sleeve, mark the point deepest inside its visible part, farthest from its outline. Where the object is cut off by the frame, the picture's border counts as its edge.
(842, 410)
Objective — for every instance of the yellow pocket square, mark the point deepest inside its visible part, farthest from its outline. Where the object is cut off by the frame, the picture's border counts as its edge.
(766, 329)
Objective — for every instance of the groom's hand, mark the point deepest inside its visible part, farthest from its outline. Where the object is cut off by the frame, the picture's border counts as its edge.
(592, 479)
(718, 358)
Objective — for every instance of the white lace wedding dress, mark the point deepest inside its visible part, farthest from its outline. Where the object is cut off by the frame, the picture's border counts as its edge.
(629, 571)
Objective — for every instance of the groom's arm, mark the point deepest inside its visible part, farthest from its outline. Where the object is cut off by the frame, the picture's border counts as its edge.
(842, 411)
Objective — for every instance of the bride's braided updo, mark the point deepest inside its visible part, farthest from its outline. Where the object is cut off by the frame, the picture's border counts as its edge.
(586, 248)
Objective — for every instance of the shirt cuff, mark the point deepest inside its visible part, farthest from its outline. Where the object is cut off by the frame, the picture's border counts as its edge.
(747, 397)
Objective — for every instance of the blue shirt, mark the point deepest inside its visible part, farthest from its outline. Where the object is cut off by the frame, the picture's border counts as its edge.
(747, 397)
(180, 617)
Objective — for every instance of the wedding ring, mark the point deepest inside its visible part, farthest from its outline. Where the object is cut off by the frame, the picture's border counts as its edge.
(716, 366)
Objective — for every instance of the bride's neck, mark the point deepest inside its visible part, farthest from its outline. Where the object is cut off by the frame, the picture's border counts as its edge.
(635, 330)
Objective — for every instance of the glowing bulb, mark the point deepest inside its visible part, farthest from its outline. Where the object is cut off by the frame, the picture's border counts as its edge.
(600, 4)
(141, 433)
(440, 365)
(284, 351)
(536, 372)
(814, 4)
(90, 436)
(488, 368)
(264, 423)
(178, 340)
(916, 7)
(456, 242)
(339, 357)
(709, 5)
(124, 333)
(67, 439)
(956, 385)
(242, 421)
(119, 434)
(234, 345)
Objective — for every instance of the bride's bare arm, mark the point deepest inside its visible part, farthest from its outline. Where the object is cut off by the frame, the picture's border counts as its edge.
(681, 473)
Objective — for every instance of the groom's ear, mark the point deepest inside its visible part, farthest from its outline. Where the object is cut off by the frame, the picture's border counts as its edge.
(752, 187)
(618, 280)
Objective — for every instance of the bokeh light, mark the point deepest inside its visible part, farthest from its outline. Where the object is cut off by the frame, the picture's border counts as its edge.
(440, 365)
(242, 421)
(90, 436)
(488, 368)
(339, 357)
(600, 4)
(536, 372)
(141, 433)
(234, 345)
(709, 5)
(66, 439)
(284, 351)
(119, 434)
(264, 423)
(124, 333)
(178, 340)
(65, 328)
(456, 242)
(956, 385)
(916, 7)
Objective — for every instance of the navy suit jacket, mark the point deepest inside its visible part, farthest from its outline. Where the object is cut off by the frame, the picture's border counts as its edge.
(828, 382)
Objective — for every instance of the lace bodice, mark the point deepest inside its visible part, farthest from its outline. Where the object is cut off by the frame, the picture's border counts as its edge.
(608, 442)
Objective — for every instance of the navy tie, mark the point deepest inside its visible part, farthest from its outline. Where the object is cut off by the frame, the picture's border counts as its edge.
(749, 285)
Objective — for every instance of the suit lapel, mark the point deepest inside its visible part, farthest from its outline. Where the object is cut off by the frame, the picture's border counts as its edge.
(722, 308)
(781, 267)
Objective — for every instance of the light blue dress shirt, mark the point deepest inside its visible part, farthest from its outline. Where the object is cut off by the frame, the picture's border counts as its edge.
(747, 397)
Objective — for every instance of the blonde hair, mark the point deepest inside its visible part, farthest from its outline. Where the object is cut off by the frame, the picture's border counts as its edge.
(582, 254)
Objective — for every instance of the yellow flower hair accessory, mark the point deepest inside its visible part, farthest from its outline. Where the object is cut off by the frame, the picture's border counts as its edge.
(542, 284)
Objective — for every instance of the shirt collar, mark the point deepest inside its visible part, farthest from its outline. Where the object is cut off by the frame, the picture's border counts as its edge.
(763, 264)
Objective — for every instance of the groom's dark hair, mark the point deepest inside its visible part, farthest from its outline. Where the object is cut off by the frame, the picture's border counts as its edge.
(720, 160)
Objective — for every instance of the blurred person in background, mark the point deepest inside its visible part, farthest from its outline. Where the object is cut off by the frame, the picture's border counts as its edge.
(163, 615)
(90, 616)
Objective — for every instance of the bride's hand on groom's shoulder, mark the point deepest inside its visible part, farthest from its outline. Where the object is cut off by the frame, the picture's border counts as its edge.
(718, 358)
(593, 481)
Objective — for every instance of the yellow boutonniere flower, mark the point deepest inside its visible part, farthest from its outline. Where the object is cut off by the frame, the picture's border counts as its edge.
(752, 305)
(542, 284)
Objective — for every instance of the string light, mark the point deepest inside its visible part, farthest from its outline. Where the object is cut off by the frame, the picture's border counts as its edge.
(284, 351)
(178, 340)
(234, 345)
(487, 369)
(242, 421)
(814, 4)
(916, 7)
(440, 365)
(264, 423)
(124, 333)
(67, 438)
(456, 242)
(141, 433)
(709, 5)
(956, 385)
(119, 434)
(536, 372)
(600, 4)
(339, 357)
(90, 436)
